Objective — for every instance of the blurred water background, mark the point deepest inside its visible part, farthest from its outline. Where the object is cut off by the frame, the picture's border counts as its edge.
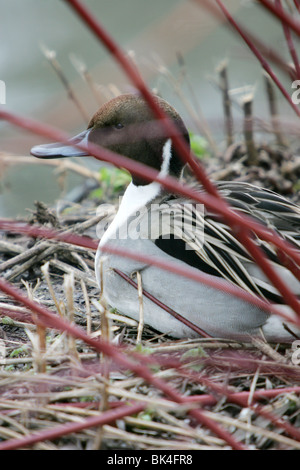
(155, 32)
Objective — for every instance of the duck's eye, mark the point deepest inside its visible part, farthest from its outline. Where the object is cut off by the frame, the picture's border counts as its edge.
(118, 126)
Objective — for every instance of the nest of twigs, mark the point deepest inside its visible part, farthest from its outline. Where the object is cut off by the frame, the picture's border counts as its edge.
(139, 390)
(48, 378)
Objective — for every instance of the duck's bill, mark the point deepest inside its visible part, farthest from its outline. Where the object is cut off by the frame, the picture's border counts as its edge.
(59, 150)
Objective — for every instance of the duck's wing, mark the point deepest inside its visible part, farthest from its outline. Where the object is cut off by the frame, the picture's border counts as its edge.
(267, 207)
(202, 240)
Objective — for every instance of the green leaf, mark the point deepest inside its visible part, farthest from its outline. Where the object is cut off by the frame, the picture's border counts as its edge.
(296, 186)
(143, 350)
(112, 180)
(7, 321)
(96, 193)
(194, 353)
(147, 415)
(19, 351)
(120, 179)
(105, 174)
(199, 145)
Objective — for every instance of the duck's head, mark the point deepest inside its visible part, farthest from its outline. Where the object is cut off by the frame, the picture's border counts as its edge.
(126, 125)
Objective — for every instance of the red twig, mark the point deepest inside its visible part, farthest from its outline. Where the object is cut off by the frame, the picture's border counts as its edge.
(297, 5)
(139, 169)
(290, 42)
(282, 15)
(265, 49)
(174, 314)
(205, 399)
(64, 429)
(201, 277)
(216, 204)
(47, 317)
(172, 266)
(210, 400)
(289, 263)
(258, 55)
(56, 322)
(241, 401)
(133, 74)
(230, 216)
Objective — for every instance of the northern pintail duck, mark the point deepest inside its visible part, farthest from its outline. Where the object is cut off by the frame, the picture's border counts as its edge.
(213, 250)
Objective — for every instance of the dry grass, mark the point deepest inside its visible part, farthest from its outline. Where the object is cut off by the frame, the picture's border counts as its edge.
(54, 387)
(48, 379)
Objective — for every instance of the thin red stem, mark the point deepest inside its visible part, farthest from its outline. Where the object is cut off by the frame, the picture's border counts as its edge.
(54, 321)
(265, 265)
(216, 204)
(206, 400)
(203, 400)
(282, 15)
(201, 277)
(264, 48)
(290, 42)
(297, 5)
(240, 401)
(174, 314)
(172, 266)
(132, 72)
(258, 55)
(64, 429)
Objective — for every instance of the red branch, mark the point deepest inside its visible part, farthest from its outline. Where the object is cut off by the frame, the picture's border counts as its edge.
(176, 315)
(216, 283)
(211, 200)
(265, 49)
(48, 318)
(259, 56)
(64, 429)
(282, 15)
(219, 206)
(172, 266)
(290, 42)
(180, 145)
(203, 400)
(132, 72)
(240, 401)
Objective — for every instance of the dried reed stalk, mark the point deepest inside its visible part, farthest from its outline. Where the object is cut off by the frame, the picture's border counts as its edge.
(222, 70)
(51, 57)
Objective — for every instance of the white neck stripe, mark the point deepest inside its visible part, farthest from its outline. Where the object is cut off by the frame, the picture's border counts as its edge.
(167, 154)
(136, 197)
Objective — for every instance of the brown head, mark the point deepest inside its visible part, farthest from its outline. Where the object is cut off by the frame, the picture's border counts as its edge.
(126, 125)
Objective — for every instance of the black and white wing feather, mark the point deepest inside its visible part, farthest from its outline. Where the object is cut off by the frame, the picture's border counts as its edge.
(202, 240)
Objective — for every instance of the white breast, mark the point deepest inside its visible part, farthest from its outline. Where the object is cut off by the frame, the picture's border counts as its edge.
(136, 197)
